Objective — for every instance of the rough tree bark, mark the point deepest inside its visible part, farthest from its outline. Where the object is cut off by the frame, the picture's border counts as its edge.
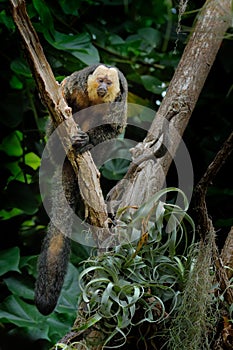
(176, 109)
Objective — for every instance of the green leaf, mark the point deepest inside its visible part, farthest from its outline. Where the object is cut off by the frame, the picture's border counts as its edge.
(6, 215)
(26, 316)
(6, 20)
(180, 265)
(20, 286)
(146, 208)
(134, 43)
(78, 45)
(115, 169)
(29, 263)
(20, 67)
(45, 15)
(32, 160)
(9, 260)
(16, 171)
(59, 324)
(152, 84)
(90, 322)
(69, 7)
(115, 39)
(159, 214)
(150, 36)
(11, 144)
(15, 311)
(70, 292)
(15, 83)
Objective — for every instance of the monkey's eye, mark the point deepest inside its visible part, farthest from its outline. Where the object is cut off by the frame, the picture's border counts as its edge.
(109, 82)
(100, 80)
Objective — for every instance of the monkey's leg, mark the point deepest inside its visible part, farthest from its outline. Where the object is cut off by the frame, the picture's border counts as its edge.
(54, 257)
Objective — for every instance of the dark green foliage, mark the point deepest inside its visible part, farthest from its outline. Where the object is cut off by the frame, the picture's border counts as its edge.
(17, 309)
(139, 38)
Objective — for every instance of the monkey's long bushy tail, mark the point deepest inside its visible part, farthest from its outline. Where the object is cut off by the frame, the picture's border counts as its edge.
(54, 257)
(52, 266)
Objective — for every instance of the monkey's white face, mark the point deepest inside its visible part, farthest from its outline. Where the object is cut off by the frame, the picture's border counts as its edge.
(103, 85)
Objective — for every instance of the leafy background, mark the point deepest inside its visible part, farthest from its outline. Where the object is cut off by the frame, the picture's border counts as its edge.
(139, 38)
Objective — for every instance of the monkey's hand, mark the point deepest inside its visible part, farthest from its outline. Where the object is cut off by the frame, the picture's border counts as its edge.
(81, 142)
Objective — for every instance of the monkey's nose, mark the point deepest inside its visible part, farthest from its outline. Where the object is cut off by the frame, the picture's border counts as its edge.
(102, 90)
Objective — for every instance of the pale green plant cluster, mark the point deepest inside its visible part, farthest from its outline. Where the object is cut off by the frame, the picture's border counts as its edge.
(139, 281)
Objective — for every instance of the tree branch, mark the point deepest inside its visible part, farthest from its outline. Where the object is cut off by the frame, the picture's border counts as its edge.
(60, 112)
(227, 254)
(198, 205)
(204, 224)
(177, 106)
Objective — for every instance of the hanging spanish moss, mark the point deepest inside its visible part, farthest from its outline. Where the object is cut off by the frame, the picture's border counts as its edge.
(192, 327)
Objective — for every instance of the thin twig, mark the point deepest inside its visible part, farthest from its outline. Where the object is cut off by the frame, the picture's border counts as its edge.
(198, 205)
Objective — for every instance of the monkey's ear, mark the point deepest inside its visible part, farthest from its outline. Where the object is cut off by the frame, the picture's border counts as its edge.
(123, 86)
(90, 69)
